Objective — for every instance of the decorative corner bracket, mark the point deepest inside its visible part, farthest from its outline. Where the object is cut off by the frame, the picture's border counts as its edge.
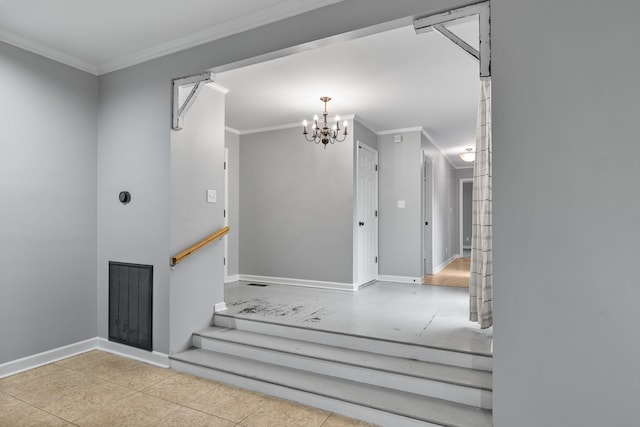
(437, 22)
(180, 110)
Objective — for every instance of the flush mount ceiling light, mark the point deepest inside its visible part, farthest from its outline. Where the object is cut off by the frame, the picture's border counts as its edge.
(469, 156)
(325, 134)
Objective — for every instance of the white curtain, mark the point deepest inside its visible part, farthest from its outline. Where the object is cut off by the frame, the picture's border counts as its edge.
(481, 280)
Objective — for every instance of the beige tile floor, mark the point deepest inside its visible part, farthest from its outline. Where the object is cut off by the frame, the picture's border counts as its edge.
(102, 389)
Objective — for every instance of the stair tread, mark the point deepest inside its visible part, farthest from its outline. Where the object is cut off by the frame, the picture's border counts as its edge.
(402, 403)
(427, 370)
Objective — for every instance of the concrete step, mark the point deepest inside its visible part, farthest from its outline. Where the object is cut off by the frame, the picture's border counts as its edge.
(455, 384)
(357, 342)
(380, 405)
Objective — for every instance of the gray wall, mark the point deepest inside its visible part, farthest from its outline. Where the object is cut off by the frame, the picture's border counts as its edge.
(296, 207)
(565, 105)
(232, 141)
(444, 221)
(197, 159)
(48, 207)
(400, 244)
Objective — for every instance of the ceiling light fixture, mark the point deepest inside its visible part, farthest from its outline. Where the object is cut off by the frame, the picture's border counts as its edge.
(324, 134)
(469, 156)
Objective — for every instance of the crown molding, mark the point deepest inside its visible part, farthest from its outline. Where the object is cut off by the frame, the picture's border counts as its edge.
(232, 130)
(47, 52)
(402, 130)
(285, 126)
(247, 22)
(426, 135)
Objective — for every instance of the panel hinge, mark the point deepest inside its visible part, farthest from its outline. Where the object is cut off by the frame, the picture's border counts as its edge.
(224, 261)
(376, 214)
(224, 213)
(376, 168)
(225, 165)
(376, 260)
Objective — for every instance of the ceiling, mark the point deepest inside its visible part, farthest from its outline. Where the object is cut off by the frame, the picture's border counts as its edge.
(99, 36)
(391, 80)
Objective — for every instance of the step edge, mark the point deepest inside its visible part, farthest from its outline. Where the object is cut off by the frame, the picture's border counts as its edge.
(389, 371)
(353, 402)
(387, 340)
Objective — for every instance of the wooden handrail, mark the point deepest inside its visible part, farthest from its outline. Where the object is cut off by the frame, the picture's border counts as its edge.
(201, 244)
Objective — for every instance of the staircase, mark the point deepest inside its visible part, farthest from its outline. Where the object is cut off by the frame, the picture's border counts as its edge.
(379, 381)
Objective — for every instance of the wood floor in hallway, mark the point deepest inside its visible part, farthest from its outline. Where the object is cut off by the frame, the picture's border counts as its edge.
(455, 274)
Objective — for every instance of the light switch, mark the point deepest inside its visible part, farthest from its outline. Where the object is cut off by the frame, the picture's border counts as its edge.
(401, 204)
(211, 196)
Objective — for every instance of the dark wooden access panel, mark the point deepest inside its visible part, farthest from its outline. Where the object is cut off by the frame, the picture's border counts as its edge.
(131, 304)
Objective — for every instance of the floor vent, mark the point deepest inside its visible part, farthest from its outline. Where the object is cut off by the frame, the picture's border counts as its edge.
(131, 304)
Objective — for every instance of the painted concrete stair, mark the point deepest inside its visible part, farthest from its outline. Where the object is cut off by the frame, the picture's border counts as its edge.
(387, 390)
(462, 359)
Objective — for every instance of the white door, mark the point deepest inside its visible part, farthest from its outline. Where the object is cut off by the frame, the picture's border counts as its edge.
(367, 214)
(427, 214)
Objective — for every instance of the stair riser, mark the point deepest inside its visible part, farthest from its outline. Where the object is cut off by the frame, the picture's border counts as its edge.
(408, 351)
(441, 390)
(323, 402)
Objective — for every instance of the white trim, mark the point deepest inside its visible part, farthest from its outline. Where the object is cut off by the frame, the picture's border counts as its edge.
(427, 187)
(47, 52)
(152, 357)
(285, 126)
(234, 278)
(399, 279)
(441, 267)
(30, 362)
(232, 130)
(218, 88)
(219, 306)
(226, 214)
(283, 10)
(461, 211)
(299, 282)
(403, 130)
(364, 124)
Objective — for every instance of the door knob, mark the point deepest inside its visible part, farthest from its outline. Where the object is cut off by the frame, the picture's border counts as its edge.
(361, 223)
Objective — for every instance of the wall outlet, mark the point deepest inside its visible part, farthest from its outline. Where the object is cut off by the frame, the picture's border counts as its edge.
(211, 196)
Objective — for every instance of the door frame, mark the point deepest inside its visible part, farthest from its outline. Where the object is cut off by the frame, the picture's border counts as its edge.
(461, 209)
(226, 213)
(358, 146)
(427, 193)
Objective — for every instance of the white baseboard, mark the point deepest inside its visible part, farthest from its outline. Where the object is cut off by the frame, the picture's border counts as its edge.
(30, 362)
(440, 267)
(46, 357)
(151, 357)
(221, 306)
(299, 282)
(231, 279)
(399, 279)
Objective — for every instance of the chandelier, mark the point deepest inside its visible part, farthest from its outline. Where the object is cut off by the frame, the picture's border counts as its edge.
(469, 156)
(325, 134)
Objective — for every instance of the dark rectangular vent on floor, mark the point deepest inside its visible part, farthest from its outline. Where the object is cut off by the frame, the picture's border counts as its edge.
(130, 304)
(256, 284)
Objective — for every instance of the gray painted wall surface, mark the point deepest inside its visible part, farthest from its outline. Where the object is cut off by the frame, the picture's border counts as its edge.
(48, 207)
(566, 285)
(197, 159)
(232, 141)
(445, 219)
(133, 129)
(400, 244)
(467, 200)
(296, 207)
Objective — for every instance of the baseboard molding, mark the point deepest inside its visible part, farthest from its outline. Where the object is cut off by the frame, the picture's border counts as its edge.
(152, 357)
(231, 279)
(299, 282)
(399, 279)
(46, 357)
(441, 267)
(221, 306)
